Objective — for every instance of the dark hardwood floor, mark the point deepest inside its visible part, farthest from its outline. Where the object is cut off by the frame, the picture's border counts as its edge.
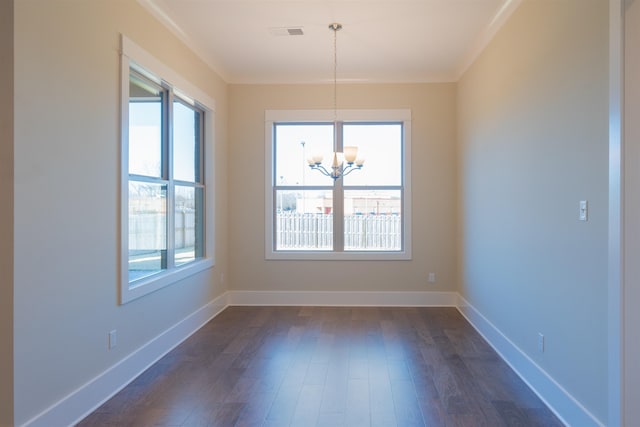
(329, 366)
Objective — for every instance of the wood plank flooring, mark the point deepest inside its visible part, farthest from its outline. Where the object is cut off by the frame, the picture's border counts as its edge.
(328, 366)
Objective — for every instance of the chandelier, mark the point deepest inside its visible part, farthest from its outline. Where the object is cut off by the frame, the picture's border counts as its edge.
(346, 161)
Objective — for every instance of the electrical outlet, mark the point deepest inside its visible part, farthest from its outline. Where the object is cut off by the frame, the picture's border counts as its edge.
(432, 278)
(540, 342)
(113, 339)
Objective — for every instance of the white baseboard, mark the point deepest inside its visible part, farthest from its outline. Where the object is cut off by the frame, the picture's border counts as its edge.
(90, 396)
(346, 298)
(563, 404)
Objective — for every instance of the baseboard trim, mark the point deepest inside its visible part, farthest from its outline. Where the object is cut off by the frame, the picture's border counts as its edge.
(344, 298)
(559, 400)
(81, 402)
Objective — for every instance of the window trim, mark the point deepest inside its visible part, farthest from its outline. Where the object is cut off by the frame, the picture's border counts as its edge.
(133, 56)
(324, 116)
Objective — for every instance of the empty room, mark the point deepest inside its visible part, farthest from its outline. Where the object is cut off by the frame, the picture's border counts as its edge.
(319, 213)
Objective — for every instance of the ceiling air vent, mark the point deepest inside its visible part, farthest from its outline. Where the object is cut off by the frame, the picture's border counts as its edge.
(287, 31)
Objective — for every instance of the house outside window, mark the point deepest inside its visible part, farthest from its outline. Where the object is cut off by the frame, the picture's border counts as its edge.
(166, 214)
(362, 215)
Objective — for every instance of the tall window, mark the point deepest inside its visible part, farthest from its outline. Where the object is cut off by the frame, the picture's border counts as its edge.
(164, 187)
(363, 215)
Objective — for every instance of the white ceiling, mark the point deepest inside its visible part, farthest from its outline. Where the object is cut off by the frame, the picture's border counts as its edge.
(381, 40)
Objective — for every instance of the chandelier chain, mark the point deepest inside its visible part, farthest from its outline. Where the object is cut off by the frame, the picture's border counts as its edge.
(338, 167)
(335, 27)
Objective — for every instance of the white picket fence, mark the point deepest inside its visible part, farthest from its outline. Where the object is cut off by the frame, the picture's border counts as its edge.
(297, 231)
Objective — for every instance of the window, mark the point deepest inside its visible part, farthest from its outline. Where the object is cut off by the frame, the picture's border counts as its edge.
(165, 190)
(363, 215)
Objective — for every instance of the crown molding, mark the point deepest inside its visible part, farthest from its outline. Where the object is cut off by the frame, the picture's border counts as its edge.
(499, 19)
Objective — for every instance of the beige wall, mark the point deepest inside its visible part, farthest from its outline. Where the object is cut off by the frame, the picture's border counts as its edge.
(433, 187)
(66, 195)
(533, 142)
(6, 213)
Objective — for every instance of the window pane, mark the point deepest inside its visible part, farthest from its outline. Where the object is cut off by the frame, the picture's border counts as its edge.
(372, 220)
(381, 147)
(147, 229)
(186, 143)
(145, 127)
(188, 224)
(294, 144)
(304, 220)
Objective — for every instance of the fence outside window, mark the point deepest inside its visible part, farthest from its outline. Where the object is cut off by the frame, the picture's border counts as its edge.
(295, 231)
(300, 231)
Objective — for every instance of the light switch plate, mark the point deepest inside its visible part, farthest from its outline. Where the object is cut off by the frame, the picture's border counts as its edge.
(584, 210)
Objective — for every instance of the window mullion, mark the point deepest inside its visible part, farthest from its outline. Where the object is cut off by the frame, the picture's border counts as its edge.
(200, 178)
(338, 196)
(338, 217)
(274, 216)
(168, 168)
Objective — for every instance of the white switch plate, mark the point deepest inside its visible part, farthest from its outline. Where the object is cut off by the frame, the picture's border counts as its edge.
(584, 210)
(432, 278)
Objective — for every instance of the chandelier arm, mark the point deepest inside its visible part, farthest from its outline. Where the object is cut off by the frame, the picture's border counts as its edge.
(336, 172)
(320, 169)
(348, 169)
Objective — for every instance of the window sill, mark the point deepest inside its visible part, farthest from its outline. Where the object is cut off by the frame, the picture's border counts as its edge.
(338, 256)
(144, 286)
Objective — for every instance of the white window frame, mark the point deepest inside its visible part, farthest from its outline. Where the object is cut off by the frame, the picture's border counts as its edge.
(133, 56)
(323, 116)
